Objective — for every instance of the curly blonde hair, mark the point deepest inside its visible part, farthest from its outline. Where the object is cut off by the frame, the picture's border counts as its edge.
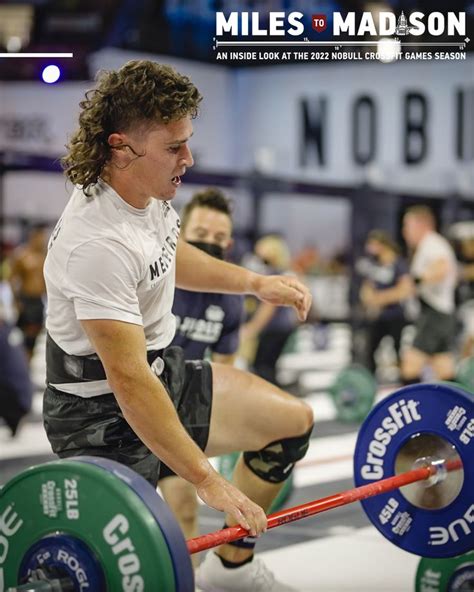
(141, 91)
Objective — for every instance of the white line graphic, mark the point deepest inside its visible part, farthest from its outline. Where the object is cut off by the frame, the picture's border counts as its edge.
(36, 55)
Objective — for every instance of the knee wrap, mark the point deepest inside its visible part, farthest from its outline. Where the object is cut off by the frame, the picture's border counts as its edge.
(276, 461)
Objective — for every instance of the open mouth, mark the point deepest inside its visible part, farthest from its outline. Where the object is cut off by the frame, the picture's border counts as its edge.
(176, 181)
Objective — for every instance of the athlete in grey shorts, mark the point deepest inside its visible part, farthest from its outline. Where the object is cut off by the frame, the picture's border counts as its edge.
(434, 270)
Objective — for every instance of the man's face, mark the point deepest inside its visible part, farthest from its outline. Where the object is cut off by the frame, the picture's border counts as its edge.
(163, 157)
(412, 230)
(208, 226)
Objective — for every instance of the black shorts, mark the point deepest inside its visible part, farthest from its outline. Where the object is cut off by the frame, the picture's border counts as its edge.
(31, 312)
(96, 426)
(435, 331)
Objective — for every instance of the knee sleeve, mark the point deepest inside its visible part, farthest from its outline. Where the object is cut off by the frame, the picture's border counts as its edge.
(276, 461)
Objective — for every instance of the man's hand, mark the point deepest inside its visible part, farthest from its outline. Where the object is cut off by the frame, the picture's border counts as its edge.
(221, 495)
(283, 290)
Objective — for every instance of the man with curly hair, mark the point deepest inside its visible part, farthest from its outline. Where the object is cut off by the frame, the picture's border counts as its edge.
(114, 388)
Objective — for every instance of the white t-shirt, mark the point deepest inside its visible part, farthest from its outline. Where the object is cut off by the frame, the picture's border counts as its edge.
(109, 260)
(439, 295)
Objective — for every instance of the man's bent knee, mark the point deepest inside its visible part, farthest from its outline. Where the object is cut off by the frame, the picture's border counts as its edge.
(276, 461)
(301, 420)
(307, 417)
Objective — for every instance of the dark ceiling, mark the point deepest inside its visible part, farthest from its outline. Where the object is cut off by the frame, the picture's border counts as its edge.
(183, 28)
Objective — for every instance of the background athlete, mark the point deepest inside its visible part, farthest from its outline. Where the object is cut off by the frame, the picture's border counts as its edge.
(434, 270)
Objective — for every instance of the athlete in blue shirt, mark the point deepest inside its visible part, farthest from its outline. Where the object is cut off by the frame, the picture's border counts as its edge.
(384, 292)
(206, 324)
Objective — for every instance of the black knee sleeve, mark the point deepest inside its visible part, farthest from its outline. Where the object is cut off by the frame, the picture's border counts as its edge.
(276, 461)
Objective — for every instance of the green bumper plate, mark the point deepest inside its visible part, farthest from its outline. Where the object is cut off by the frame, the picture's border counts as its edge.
(85, 502)
(446, 575)
(465, 374)
(353, 393)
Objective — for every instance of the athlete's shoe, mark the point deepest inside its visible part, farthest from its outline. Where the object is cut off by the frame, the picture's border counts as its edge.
(255, 576)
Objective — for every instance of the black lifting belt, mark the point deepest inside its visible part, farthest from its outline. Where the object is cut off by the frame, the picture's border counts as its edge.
(63, 368)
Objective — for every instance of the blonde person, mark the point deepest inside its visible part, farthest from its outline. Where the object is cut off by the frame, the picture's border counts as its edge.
(270, 326)
(386, 287)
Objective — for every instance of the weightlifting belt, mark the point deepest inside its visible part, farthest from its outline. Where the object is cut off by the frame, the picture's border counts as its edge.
(64, 368)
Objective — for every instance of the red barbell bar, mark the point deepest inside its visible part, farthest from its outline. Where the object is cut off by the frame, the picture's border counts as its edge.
(233, 533)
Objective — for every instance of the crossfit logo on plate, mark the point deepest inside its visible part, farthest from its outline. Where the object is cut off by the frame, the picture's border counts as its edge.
(401, 414)
(128, 561)
(10, 524)
(456, 418)
(51, 499)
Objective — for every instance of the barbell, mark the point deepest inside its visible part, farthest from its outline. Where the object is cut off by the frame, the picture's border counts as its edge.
(93, 524)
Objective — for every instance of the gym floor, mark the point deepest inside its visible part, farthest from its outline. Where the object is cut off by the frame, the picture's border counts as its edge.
(335, 551)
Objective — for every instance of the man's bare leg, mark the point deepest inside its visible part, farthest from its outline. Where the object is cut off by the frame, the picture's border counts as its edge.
(248, 413)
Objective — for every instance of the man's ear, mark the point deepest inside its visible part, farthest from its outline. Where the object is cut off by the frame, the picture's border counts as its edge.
(116, 141)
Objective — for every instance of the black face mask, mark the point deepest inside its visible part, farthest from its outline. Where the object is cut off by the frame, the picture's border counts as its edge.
(372, 258)
(211, 249)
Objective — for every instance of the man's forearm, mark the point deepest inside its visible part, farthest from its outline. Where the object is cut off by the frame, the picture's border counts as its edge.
(149, 411)
(197, 271)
